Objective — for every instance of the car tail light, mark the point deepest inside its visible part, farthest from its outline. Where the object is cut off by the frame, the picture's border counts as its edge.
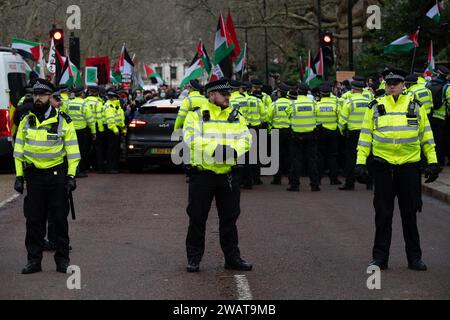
(136, 123)
(5, 129)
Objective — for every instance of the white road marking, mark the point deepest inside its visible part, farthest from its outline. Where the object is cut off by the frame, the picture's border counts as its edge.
(10, 199)
(244, 292)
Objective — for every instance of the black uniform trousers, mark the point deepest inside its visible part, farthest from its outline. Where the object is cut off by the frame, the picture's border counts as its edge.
(203, 187)
(84, 144)
(351, 145)
(100, 150)
(304, 147)
(46, 197)
(438, 127)
(252, 171)
(285, 146)
(112, 151)
(403, 182)
(328, 151)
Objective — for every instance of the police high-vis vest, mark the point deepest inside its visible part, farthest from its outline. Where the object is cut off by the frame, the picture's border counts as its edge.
(45, 144)
(194, 99)
(239, 101)
(327, 112)
(368, 94)
(267, 101)
(423, 95)
(80, 114)
(442, 112)
(396, 132)
(352, 113)
(208, 126)
(278, 115)
(98, 111)
(303, 116)
(112, 115)
(255, 112)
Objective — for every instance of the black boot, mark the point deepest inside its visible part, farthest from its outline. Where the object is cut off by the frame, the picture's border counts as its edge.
(293, 189)
(347, 187)
(237, 264)
(193, 266)
(32, 267)
(315, 188)
(417, 265)
(383, 265)
(62, 266)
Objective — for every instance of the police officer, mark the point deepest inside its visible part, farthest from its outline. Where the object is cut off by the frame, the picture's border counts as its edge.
(396, 129)
(194, 99)
(420, 91)
(112, 115)
(278, 118)
(351, 117)
(303, 140)
(441, 103)
(95, 103)
(84, 124)
(216, 135)
(327, 122)
(45, 137)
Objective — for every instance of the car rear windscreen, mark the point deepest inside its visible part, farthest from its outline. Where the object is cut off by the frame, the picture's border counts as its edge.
(158, 110)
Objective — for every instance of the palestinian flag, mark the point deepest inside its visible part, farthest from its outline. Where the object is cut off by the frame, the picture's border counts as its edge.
(194, 71)
(232, 32)
(311, 77)
(126, 65)
(403, 44)
(239, 64)
(76, 74)
(28, 49)
(318, 63)
(430, 66)
(66, 74)
(435, 12)
(203, 55)
(115, 77)
(223, 45)
(150, 73)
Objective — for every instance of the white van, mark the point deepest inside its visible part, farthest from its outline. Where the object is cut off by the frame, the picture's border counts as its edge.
(13, 70)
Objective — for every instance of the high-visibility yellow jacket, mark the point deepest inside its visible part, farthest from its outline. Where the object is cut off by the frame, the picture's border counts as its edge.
(194, 99)
(255, 113)
(240, 102)
(115, 117)
(267, 101)
(278, 114)
(327, 112)
(352, 113)
(203, 135)
(423, 95)
(394, 136)
(45, 144)
(80, 114)
(303, 115)
(98, 111)
(444, 109)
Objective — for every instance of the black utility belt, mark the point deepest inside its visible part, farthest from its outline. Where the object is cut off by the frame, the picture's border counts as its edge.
(30, 168)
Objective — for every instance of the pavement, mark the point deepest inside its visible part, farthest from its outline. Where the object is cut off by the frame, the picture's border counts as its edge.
(128, 241)
(440, 189)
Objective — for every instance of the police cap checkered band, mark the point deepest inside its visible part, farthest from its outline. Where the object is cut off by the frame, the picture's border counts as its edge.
(41, 85)
(219, 85)
(394, 74)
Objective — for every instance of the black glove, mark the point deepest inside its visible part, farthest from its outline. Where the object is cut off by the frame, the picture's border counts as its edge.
(18, 185)
(71, 184)
(223, 152)
(432, 172)
(362, 174)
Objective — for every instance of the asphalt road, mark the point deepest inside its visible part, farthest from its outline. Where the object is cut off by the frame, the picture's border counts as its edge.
(128, 241)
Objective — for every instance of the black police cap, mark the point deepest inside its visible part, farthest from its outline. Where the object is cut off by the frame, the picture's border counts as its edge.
(283, 87)
(303, 87)
(411, 78)
(93, 87)
(218, 85)
(235, 84)
(62, 87)
(290, 84)
(358, 84)
(359, 78)
(196, 84)
(394, 74)
(256, 82)
(77, 89)
(325, 88)
(443, 70)
(42, 86)
(293, 94)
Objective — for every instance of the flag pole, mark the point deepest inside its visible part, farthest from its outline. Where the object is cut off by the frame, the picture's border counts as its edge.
(413, 59)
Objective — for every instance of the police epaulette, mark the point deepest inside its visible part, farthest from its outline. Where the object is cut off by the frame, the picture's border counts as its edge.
(373, 103)
(195, 108)
(24, 115)
(65, 116)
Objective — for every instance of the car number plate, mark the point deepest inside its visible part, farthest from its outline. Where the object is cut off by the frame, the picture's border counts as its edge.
(161, 150)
